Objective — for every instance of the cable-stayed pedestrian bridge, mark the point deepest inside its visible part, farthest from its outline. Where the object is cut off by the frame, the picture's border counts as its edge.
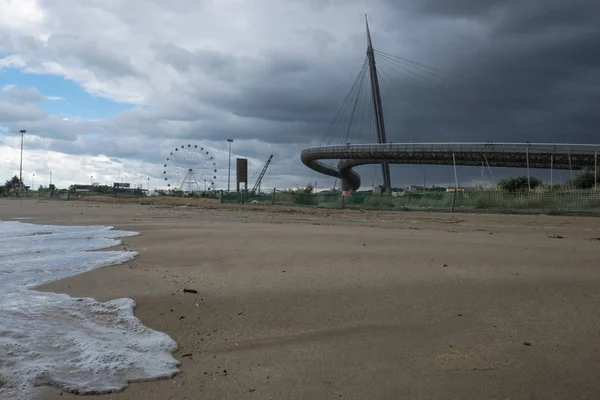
(361, 119)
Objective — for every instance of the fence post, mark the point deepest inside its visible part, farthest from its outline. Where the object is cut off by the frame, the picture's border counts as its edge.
(222, 200)
(528, 176)
(274, 192)
(551, 171)
(454, 198)
(342, 200)
(596, 170)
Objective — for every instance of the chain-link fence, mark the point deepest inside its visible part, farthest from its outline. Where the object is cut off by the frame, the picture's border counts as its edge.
(41, 194)
(564, 202)
(574, 202)
(70, 195)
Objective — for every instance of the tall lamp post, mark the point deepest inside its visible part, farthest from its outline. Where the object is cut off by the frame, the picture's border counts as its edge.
(229, 169)
(22, 132)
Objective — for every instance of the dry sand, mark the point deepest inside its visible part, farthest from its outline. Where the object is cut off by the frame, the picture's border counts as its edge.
(315, 304)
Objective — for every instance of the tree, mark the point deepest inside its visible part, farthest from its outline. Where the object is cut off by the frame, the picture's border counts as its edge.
(519, 184)
(12, 183)
(584, 180)
(309, 188)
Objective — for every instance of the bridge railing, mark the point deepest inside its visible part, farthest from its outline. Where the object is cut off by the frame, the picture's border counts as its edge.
(462, 147)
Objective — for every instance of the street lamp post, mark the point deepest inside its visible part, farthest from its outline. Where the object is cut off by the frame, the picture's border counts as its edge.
(229, 169)
(32, 180)
(22, 132)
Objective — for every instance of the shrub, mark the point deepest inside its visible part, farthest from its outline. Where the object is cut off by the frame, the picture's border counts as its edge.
(584, 180)
(519, 184)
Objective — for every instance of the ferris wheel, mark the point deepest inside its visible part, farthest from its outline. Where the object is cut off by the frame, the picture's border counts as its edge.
(191, 169)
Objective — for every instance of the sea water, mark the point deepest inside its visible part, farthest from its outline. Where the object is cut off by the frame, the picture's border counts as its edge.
(75, 344)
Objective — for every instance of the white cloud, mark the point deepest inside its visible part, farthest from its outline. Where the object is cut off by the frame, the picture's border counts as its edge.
(68, 169)
(20, 14)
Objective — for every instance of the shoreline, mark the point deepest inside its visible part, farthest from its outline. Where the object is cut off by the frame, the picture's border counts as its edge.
(315, 305)
(89, 328)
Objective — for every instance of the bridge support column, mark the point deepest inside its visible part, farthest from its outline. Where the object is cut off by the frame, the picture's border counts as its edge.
(455, 173)
(379, 122)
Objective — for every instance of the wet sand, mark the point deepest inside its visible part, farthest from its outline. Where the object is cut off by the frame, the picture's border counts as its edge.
(315, 304)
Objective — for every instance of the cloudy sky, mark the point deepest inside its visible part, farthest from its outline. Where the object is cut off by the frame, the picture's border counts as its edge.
(108, 88)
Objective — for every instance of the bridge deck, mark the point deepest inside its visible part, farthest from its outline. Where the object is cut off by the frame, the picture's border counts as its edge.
(513, 155)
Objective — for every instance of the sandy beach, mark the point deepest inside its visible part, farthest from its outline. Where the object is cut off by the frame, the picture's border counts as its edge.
(321, 304)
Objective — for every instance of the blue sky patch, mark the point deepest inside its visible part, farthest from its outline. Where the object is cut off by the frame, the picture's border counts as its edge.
(76, 103)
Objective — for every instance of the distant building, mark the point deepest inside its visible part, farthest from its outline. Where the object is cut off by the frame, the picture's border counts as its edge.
(436, 189)
(453, 189)
(81, 188)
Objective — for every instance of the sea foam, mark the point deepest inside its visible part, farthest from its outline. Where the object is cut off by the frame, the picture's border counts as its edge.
(75, 344)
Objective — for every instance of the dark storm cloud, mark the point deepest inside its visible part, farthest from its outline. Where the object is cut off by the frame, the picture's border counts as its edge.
(456, 8)
(280, 103)
(547, 15)
(321, 39)
(215, 63)
(281, 64)
(278, 96)
(276, 86)
(527, 83)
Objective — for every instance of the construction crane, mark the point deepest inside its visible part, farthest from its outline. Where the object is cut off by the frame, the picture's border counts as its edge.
(261, 175)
